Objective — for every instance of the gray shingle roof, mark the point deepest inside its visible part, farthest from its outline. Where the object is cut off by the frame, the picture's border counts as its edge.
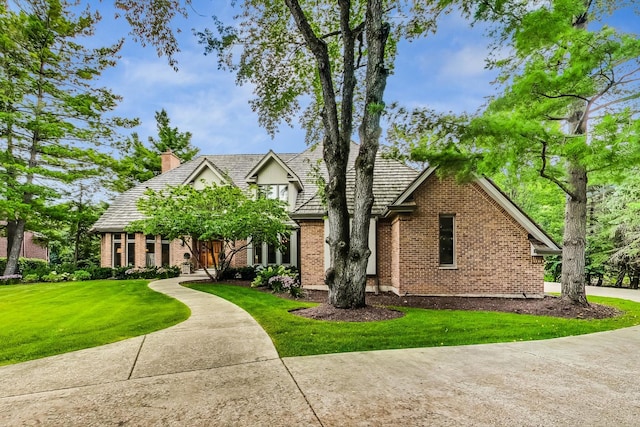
(391, 178)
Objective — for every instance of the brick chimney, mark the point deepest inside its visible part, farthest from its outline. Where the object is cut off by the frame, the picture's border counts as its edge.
(169, 161)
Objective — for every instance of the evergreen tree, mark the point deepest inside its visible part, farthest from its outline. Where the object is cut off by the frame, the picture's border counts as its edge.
(53, 116)
(141, 163)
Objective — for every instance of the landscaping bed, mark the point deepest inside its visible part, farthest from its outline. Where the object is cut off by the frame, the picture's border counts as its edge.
(378, 306)
(547, 306)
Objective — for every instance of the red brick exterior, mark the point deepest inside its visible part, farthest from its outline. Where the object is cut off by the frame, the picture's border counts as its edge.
(493, 254)
(29, 249)
(312, 252)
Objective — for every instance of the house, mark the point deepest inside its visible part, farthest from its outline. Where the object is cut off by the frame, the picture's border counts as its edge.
(32, 247)
(429, 235)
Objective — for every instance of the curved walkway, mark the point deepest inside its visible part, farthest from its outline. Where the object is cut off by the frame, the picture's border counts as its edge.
(219, 368)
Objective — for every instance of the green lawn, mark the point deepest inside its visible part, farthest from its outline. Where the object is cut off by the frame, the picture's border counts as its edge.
(45, 319)
(298, 336)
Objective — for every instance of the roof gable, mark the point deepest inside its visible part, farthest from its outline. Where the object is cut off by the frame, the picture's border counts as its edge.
(537, 234)
(206, 171)
(252, 176)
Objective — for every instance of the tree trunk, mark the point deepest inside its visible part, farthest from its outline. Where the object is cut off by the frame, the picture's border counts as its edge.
(13, 255)
(620, 278)
(575, 235)
(635, 279)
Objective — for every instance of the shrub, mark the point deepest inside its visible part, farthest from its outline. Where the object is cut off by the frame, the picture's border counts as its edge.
(80, 275)
(54, 277)
(146, 272)
(31, 278)
(286, 284)
(28, 266)
(280, 279)
(10, 279)
(263, 276)
(242, 273)
(100, 273)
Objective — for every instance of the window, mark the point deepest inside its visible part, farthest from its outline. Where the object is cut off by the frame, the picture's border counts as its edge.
(285, 251)
(257, 253)
(447, 241)
(165, 251)
(275, 191)
(266, 254)
(117, 250)
(271, 254)
(131, 249)
(150, 251)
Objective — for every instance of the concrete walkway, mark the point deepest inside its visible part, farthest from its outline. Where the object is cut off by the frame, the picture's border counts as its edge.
(219, 368)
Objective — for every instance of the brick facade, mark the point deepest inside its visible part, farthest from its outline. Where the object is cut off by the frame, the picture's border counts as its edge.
(312, 252)
(493, 254)
(29, 249)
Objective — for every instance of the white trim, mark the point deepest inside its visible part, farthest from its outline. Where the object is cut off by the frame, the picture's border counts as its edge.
(496, 195)
(414, 186)
(206, 163)
(273, 156)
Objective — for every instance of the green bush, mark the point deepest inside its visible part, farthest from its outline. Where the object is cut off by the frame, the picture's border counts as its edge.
(80, 275)
(28, 266)
(146, 272)
(242, 273)
(30, 278)
(263, 276)
(100, 273)
(54, 277)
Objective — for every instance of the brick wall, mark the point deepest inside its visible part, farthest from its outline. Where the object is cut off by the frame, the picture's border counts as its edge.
(105, 250)
(29, 249)
(311, 252)
(240, 258)
(492, 251)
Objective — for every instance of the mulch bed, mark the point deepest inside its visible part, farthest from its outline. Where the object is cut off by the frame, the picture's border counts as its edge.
(377, 306)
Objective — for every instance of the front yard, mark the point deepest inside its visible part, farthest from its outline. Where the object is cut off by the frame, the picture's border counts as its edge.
(298, 336)
(45, 319)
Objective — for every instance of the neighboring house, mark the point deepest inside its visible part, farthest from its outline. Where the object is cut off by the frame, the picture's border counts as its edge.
(32, 247)
(429, 236)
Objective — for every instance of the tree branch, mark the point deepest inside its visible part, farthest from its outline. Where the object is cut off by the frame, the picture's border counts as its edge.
(544, 174)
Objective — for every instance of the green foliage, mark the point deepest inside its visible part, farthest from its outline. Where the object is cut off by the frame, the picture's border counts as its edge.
(80, 275)
(28, 266)
(279, 278)
(54, 120)
(46, 319)
(298, 336)
(263, 275)
(213, 213)
(242, 273)
(140, 163)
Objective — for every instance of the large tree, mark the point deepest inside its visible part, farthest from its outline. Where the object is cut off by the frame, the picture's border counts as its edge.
(569, 110)
(140, 162)
(338, 55)
(52, 115)
(223, 214)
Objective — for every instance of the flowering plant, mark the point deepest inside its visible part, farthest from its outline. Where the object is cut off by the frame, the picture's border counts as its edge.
(286, 284)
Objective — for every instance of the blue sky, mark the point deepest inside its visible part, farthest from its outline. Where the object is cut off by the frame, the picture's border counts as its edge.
(445, 71)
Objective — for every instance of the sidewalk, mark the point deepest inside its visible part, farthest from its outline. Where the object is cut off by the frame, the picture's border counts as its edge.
(219, 368)
(216, 368)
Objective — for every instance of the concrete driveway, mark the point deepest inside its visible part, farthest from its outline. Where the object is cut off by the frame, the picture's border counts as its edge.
(219, 368)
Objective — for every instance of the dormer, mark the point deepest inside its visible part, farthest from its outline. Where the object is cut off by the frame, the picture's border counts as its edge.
(272, 171)
(205, 174)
